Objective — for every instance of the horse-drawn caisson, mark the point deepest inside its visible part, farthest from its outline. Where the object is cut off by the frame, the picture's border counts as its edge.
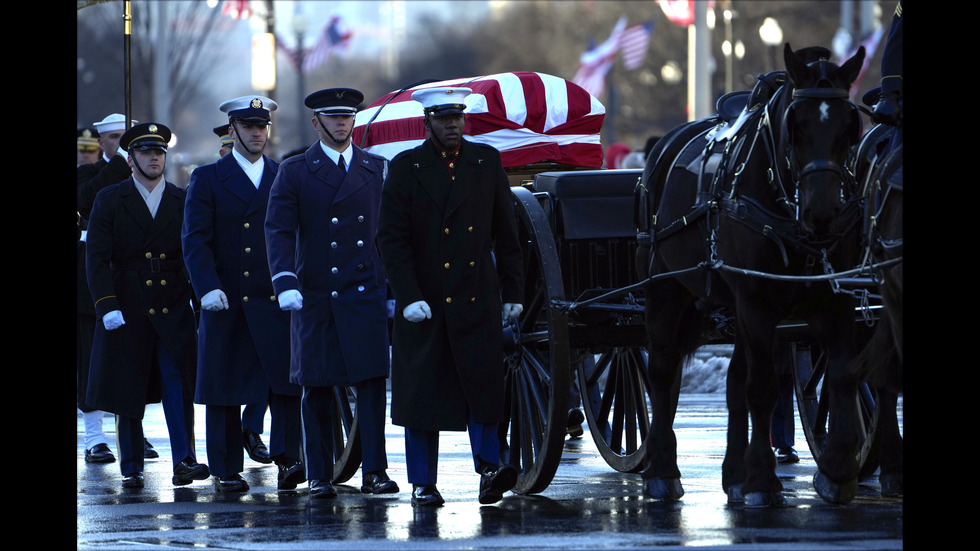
(745, 228)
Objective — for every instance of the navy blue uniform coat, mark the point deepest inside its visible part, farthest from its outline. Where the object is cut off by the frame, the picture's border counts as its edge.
(134, 264)
(320, 226)
(438, 240)
(244, 350)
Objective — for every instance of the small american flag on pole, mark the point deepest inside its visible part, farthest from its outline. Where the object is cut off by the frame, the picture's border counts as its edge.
(633, 43)
(597, 61)
(334, 39)
(529, 117)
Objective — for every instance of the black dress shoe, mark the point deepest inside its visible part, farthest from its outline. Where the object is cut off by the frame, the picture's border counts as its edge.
(378, 483)
(574, 425)
(291, 473)
(231, 483)
(257, 451)
(188, 471)
(148, 451)
(134, 480)
(322, 489)
(494, 481)
(100, 453)
(426, 495)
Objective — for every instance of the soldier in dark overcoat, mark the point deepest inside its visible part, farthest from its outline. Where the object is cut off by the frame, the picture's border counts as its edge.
(243, 337)
(326, 270)
(446, 212)
(145, 338)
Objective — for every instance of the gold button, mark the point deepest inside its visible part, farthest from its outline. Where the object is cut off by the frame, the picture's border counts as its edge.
(248, 250)
(446, 231)
(246, 274)
(163, 282)
(452, 165)
(166, 310)
(149, 255)
(446, 265)
(149, 283)
(469, 229)
(272, 298)
(472, 299)
(449, 300)
(246, 225)
(472, 263)
(152, 311)
(163, 256)
(245, 299)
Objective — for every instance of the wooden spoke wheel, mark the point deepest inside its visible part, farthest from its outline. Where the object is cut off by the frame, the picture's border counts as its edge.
(346, 437)
(615, 390)
(810, 367)
(536, 357)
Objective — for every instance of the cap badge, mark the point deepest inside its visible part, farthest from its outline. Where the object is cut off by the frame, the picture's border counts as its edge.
(152, 128)
(340, 93)
(256, 103)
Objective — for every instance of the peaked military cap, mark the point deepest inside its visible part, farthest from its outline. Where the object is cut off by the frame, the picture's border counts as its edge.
(88, 139)
(335, 101)
(222, 133)
(446, 100)
(250, 109)
(144, 137)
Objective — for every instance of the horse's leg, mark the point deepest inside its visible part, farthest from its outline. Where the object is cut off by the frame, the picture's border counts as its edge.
(668, 321)
(836, 479)
(733, 467)
(762, 487)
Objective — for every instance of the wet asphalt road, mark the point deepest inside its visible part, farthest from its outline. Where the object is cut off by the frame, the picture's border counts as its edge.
(587, 506)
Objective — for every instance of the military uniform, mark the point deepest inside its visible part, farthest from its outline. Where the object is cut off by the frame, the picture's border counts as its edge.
(136, 272)
(320, 231)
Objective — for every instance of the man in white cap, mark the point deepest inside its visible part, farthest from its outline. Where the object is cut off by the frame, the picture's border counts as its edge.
(243, 336)
(448, 238)
(146, 339)
(110, 168)
(323, 213)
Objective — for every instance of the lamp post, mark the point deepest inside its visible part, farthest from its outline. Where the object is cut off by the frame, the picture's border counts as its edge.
(726, 48)
(300, 24)
(772, 36)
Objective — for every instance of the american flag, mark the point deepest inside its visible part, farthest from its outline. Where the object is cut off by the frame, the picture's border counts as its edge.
(634, 42)
(529, 117)
(596, 62)
(678, 11)
(334, 39)
(237, 9)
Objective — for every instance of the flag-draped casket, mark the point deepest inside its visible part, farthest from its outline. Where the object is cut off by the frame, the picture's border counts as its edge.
(529, 117)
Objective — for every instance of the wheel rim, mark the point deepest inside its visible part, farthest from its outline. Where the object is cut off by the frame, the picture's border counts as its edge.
(346, 436)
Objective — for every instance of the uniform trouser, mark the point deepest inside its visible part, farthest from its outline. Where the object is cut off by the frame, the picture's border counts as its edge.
(285, 432)
(783, 429)
(422, 450)
(178, 412)
(253, 416)
(319, 422)
(223, 433)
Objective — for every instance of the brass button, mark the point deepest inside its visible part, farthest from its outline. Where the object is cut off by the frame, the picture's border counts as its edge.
(166, 310)
(470, 229)
(163, 282)
(248, 250)
(334, 270)
(245, 299)
(246, 225)
(446, 231)
(149, 255)
(334, 220)
(360, 243)
(333, 245)
(360, 218)
(152, 311)
(335, 294)
(163, 256)
(272, 298)
(149, 283)
(472, 299)
(472, 263)
(449, 300)
(246, 274)
(446, 265)
(452, 165)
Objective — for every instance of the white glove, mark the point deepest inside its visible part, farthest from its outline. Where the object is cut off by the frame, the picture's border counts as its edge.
(113, 320)
(512, 310)
(417, 311)
(291, 300)
(391, 308)
(215, 300)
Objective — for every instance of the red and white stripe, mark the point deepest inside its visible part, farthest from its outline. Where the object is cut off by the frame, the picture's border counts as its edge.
(529, 117)
(633, 44)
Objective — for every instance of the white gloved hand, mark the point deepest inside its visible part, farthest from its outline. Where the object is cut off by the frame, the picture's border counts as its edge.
(417, 311)
(113, 320)
(291, 300)
(391, 308)
(512, 310)
(215, 300)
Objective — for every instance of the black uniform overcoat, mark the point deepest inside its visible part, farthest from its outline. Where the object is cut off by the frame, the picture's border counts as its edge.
(438, 241)
(134, 264)
(320, 228)
(242, 351)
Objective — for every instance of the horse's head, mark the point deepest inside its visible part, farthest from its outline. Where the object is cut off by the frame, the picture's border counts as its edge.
(820, 124)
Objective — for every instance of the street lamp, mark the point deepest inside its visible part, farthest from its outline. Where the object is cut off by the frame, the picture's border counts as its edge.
(726, 48)
(772, 36)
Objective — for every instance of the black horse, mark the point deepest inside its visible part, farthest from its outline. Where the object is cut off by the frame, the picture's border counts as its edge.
(878, 168)
(739, 209)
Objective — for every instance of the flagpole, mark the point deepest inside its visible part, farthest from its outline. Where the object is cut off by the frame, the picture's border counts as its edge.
(127, 63)
(613, 110)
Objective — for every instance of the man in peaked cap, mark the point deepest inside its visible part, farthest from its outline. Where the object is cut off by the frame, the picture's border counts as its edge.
(88, 146)
(448, 238)
(146, 338)
(226, 142)
(329, 276)
(243, 347)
